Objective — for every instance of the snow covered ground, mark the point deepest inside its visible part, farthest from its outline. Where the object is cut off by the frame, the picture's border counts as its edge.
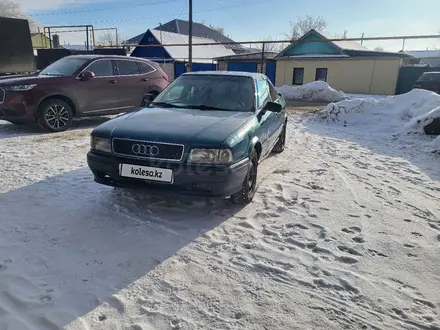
(317, 91)
(344, 232)
(320, 91)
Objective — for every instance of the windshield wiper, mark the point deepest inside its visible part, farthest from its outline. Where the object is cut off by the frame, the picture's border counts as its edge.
(167, 105)
(205, 107)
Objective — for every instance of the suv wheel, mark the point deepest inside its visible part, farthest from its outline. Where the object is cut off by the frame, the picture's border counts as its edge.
(247, 192)
(281, 143)
(55, 115)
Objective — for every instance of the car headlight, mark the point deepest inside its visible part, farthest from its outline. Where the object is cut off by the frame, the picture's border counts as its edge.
(100, 144)
(211, 156)
(20, 88)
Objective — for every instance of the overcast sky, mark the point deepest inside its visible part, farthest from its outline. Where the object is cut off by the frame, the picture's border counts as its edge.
(250, 19)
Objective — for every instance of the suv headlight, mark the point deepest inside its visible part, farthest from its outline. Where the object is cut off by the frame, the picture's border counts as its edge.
(19, 88)
(100, 144)
(210, 156)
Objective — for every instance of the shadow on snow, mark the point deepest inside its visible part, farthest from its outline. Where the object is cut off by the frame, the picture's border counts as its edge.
(70, 243)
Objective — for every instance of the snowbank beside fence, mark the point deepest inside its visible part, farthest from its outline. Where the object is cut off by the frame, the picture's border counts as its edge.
(317, 91)
(416, 112)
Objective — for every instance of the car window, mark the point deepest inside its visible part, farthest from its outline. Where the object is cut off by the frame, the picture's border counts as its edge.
(127, 67)
(273, 91)
(145, 67)
(101, 68)
(430, 77)
(232, 93)
(263, 93)
(64, 67)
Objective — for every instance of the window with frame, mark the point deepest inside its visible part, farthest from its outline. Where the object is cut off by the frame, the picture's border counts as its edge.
(321, 74)
(272, 90)
(298, 76)
(101, 68)
(145, 67)
(126, 68)
(263, 93)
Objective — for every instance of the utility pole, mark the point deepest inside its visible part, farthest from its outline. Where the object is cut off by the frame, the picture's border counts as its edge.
(403, 46)
(190, 33)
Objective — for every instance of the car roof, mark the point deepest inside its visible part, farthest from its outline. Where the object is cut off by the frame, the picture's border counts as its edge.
(252, 75)
(432, 72)
(92, 57)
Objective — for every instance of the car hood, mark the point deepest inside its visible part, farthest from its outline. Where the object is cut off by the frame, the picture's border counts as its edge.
(28, 79)
(184, 126)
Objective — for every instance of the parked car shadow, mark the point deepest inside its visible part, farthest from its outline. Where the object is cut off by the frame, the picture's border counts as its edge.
(69, 244)
(386, 145)
(8, 130)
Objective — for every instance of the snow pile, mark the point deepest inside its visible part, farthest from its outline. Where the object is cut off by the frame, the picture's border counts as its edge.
(407, 113)
(435, 145)
(317, 91)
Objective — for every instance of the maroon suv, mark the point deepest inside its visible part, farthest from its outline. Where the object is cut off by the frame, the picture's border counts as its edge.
(429, 81)
(80, 86)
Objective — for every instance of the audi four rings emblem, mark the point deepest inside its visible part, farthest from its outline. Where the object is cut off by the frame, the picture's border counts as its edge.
(145, 150)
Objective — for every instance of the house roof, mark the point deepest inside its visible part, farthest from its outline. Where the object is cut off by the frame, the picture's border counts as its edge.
(340, 49)
(424, 53)
(250, 55)
(182, 27)
(201, 54)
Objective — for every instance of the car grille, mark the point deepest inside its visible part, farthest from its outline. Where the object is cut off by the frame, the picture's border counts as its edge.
(148, 149)
(2, 95)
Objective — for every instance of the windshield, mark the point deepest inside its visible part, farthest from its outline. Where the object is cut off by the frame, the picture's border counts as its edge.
(430, 77)
(64, 67)
(209, 92)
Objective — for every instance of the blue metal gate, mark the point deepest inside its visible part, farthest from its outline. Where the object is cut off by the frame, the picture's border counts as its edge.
(242, 66)
(204, 67)
(179, 68)
(271, 69)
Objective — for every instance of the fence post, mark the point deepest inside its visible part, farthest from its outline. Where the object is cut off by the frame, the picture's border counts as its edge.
(262, 57)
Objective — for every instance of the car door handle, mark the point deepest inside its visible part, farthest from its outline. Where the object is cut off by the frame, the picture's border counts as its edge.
(145, 79)
(113, 81)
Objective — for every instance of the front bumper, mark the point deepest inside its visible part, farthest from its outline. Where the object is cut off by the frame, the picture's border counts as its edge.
(17, 106)
(207, 180)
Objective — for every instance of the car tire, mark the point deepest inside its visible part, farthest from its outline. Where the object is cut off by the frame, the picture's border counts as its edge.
(55, 115)
(249, 187)
(281, 143)
(148, 98)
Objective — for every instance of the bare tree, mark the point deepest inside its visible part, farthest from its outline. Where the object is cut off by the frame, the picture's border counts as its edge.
(272, 47)
(303, 25)
(379, 49)
(108, 38)
(219, 29)
(13, 10)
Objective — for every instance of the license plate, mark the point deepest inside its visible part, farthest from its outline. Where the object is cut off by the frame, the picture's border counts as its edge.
(146, 173)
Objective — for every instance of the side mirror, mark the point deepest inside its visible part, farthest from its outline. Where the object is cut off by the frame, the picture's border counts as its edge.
(273, 107)
(87, 75)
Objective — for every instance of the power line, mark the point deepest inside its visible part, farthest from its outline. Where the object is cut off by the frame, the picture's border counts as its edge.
(173, 15)
(103, 9)
(230, 14)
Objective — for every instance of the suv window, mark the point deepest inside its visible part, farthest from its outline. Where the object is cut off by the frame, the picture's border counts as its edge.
(64, 67)
(430, 77)
(145, 67)
(101, 68)
(263, 92)
(127, 67)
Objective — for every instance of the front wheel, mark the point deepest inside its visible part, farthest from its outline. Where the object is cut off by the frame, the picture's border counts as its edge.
(247, 192)
(281, 143)
(55, 115)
